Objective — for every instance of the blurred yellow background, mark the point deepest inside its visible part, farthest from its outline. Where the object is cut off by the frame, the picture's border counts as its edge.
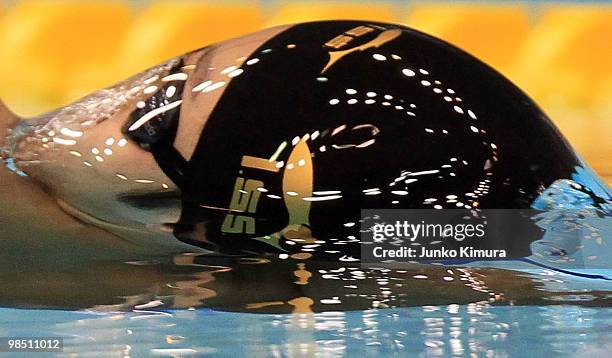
(560, 53)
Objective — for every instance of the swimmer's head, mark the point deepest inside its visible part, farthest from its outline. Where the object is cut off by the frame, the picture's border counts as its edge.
(96, 156)
(281, 136)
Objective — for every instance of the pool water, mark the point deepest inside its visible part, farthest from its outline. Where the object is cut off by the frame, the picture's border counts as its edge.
(445, 330)
(250, 310)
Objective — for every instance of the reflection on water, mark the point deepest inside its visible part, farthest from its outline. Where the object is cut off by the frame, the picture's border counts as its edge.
(292, 285)
(475, 329)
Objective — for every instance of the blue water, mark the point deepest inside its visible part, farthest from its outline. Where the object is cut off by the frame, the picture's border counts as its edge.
(445, 331)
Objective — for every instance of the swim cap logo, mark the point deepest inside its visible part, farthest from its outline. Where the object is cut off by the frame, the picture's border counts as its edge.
(350, 36)
(297, 183)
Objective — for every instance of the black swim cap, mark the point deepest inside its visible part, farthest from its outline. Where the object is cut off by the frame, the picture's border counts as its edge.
(328, 118)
